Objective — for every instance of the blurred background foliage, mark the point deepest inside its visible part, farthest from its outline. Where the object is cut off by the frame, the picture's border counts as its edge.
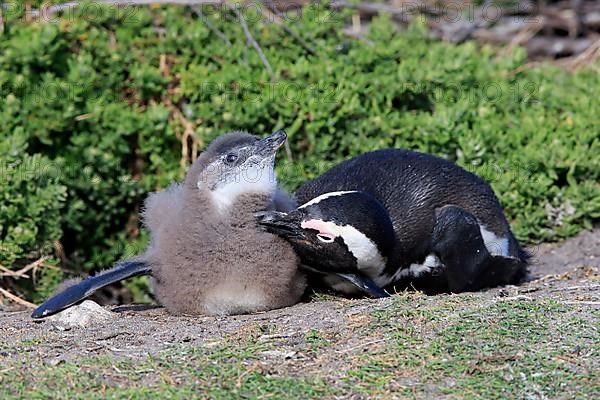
(100, 106)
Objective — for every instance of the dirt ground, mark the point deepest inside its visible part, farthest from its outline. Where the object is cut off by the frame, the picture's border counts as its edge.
(567, 272)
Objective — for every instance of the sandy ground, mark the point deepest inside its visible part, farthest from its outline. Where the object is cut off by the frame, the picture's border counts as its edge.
(567, 272)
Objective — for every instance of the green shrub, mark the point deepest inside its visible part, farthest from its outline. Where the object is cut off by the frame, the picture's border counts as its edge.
(31, 201)
(88, 94)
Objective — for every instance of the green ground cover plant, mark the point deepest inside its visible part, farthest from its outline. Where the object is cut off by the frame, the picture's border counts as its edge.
(411, 347)
(99, 106)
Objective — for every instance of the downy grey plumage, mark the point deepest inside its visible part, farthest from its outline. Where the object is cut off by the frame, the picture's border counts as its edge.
(206, 254)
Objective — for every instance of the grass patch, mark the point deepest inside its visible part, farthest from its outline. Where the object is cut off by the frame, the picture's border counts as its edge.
(498, 350)
(228, 371)
(414, 346)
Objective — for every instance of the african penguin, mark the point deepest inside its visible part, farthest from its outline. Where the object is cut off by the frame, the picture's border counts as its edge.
(396, 216)
(206, 255)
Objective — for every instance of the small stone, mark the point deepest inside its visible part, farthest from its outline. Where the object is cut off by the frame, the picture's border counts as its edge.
(61, 328)
(53, 362)
(81, 316)
(279, 354)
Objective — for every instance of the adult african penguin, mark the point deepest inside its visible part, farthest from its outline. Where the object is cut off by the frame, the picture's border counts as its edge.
(206, 254)
(396, 216)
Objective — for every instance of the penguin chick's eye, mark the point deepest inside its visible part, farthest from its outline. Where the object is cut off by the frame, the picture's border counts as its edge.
(325, 238)
(231, 158)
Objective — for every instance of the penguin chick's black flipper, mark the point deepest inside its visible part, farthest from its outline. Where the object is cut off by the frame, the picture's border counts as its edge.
(364, 284)
(87, 287)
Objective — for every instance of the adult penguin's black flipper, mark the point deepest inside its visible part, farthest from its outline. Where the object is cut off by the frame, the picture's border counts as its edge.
(87, 287)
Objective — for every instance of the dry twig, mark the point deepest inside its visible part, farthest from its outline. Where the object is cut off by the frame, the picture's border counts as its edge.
(198, 10)
(188, 127)
(16, 299)
(276, 17)
(47, 11)
(521, 38)
(585, 59)
(579, 287)
(361, 345)
(1, 17)
(22, 272)
(188, 132)
(253, 42)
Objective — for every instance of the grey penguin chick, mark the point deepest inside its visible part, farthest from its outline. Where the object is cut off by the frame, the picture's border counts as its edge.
(206, 254)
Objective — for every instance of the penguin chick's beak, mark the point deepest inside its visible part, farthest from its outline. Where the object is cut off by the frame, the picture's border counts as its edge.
(280, 223)
(269, 145)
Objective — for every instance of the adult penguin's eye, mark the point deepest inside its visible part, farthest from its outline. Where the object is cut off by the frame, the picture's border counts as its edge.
(231, 158)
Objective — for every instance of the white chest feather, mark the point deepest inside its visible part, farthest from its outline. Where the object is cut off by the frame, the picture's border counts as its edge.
(234, 297)
(257, 179)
